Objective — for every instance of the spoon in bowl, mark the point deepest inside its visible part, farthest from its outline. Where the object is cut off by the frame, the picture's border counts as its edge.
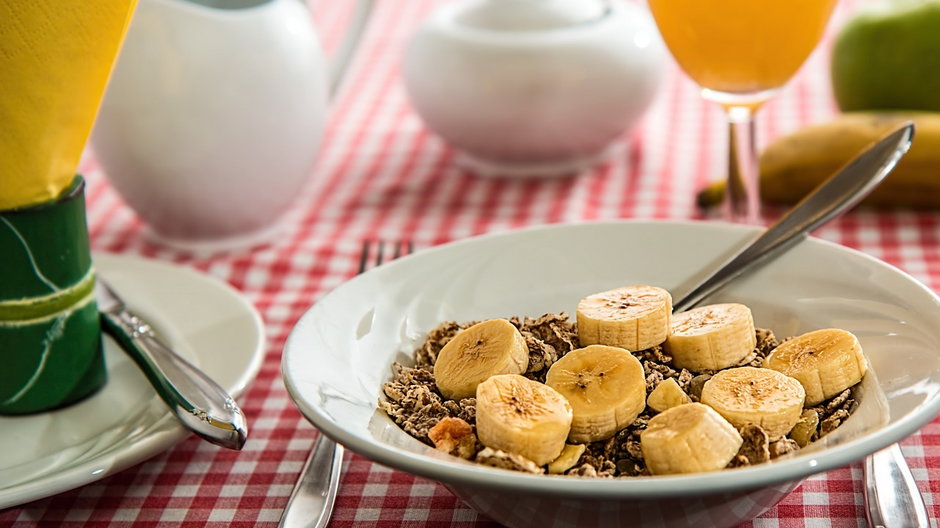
(891, 494)
(843, 190)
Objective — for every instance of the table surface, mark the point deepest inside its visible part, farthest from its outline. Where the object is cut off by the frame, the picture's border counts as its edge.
(381, 174)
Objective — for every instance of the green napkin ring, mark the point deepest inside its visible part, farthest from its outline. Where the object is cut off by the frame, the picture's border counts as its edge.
(50, 337)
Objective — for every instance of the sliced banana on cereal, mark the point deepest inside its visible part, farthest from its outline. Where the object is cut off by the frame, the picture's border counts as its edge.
(567, 459)
(476, 353)
(756, 396)
(690, 438)
(523, 417)
(632, 317)
(825, 362)
(711, 337)
(606, 387)
(666, 395)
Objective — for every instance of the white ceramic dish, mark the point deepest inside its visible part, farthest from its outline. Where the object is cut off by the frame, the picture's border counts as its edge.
(533, 89)
(338, 356)
(125, 423)
(213, 98)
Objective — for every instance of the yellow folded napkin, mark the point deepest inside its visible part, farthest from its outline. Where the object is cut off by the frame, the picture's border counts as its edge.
(55, 58)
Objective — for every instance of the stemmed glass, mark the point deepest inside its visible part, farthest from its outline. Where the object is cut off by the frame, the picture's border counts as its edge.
(741, 52)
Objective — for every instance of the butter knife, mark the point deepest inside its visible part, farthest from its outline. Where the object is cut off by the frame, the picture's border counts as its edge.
(200, 404)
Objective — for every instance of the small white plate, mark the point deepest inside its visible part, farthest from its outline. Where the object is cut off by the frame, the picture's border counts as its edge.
(202, 318)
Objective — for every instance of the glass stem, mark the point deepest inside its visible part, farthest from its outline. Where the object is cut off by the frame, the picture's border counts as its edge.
(742, 193)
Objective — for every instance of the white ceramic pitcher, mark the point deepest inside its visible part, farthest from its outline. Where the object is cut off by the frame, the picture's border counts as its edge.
(213, 116)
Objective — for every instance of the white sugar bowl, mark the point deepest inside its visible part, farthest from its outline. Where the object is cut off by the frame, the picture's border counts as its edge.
(533, 88)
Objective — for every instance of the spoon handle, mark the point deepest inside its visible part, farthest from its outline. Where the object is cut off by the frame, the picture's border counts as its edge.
(891, 492)
(836, 195)
(198, 402)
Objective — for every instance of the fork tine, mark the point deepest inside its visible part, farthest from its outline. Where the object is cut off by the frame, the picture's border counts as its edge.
(364, 257)
(380, 253)
(399, 249)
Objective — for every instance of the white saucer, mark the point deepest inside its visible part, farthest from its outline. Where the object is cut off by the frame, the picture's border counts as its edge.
(202, 318)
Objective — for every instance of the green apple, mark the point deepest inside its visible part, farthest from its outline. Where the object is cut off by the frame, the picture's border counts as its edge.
(888, 57)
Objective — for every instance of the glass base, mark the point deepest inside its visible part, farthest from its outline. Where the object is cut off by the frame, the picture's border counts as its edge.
(742, 190)
(751, 100)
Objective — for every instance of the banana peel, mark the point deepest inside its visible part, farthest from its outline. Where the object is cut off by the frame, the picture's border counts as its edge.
(795, 164)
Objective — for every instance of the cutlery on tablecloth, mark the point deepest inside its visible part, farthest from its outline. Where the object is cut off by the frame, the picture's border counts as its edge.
(199, 403)
(311, 501)
(891, 495)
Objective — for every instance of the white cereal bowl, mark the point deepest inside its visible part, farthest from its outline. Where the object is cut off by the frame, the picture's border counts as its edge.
(339, 355)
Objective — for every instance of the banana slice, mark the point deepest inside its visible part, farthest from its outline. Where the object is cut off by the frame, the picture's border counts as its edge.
(605, 386)
(711, 337)
(825, 362)
(667, 395)
(758, 396)
(690, 438)
(473, 355)
(522, 417)
(632, 317)
(567, 459)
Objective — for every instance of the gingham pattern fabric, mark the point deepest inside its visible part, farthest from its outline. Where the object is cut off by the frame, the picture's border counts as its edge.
(381, 175)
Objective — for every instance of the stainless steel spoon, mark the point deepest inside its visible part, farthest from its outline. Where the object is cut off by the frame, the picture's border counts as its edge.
(833, 197)
(198, 402)
(891, 495)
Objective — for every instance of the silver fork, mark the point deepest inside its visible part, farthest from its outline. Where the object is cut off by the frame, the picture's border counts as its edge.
(314, 494)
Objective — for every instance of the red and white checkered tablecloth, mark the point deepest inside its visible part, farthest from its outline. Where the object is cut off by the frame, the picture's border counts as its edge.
(382, 175)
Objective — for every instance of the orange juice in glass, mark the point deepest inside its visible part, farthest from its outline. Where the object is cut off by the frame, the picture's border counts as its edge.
(740, 52)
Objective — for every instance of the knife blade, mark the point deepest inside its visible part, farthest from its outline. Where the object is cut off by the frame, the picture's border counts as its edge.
(200, 404)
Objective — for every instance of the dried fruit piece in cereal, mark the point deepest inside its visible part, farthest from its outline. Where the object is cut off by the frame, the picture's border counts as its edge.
(523, 417)
(759, 396)
(804, 431)
(825, 362)
(606, 389)
(690, 438)
(454, 437)
(483, 350)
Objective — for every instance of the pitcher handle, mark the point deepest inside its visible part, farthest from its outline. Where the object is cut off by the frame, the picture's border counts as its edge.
(343, 55)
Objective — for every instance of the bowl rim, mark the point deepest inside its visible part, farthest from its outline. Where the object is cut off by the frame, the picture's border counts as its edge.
(464, 473)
